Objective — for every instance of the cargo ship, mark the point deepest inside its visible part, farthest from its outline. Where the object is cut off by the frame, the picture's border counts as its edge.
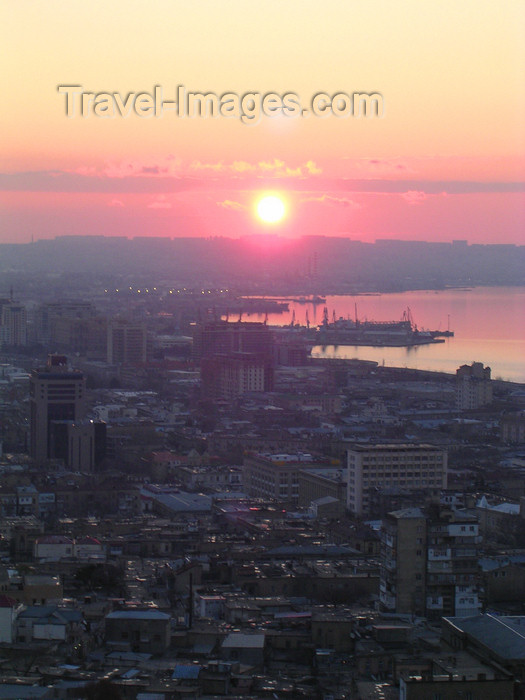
(403, 333)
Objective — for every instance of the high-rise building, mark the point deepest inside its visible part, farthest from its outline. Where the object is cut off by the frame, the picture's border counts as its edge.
(126, 342)
(403, 570)
(80, 444)
(13, 328)
(473, 386)
(429, 562)
(452, 564)
(223, 337)
(275, 476)
(235, 358)
(407, 467)
(82, 336)
(57, 393)
(230, 376)
(50, 314)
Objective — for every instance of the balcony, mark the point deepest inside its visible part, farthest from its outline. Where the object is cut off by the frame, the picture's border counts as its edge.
(459, 530)
(435, 603)
(439, 554)
(467, 605)
(462, 591)
(438, 567)
(465, 554)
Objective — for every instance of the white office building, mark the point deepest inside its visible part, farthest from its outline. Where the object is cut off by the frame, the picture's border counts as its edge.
(408, 467)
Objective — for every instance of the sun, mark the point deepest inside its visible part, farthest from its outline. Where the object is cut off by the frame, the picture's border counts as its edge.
(271, 208)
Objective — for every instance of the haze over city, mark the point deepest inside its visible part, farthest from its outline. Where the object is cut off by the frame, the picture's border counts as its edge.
(262, 342)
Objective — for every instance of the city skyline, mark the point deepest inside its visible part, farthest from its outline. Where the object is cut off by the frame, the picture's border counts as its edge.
(445, 161)
(262, 379)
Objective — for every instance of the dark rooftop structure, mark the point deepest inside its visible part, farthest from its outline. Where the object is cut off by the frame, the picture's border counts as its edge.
(500, 638)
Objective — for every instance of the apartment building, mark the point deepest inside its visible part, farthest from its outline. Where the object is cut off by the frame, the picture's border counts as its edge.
(408, 467)
(403, 565)
(13, 324)
(230, 376)
(473, 386)
(429, 563)
(452, 564)
(56, 394)
(126, 342)
(275, 476)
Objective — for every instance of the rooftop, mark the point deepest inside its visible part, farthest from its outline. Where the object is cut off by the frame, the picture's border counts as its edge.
(247, 641)
(393, 447)
(137, 615)
(407, 513)
(504, 636)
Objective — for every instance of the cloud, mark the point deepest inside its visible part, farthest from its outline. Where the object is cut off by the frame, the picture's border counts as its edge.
(231, 205)
(115, 203)
(241, 166)
(132, 169)
(243, 176)
(333, 201)
(66, 181)
(312, 168)
(153, 170)
(214, 167)
(387, 186)
(263, 168)
(384, 165)
(377, 167)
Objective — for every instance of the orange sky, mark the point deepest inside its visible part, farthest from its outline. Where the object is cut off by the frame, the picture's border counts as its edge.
(445, 160)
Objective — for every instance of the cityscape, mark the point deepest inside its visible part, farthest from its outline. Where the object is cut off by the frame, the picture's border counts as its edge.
(193, 505)
(262, 350)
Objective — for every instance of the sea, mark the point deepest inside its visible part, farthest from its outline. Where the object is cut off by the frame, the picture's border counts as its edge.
(488, 325)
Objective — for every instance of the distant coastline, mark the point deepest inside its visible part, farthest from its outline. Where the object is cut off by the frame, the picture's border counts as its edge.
(305, 266)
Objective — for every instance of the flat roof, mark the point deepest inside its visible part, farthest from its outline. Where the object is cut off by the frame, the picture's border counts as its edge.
(405, 447)
(407, 513)
(239, 639)
(137, 615)
(504, 636)
(16, 691)
(181, 502)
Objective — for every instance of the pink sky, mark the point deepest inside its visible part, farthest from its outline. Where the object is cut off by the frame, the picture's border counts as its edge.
(445, 161)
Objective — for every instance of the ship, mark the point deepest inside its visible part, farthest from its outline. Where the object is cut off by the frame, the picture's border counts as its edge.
(314, 299)
(402, 333)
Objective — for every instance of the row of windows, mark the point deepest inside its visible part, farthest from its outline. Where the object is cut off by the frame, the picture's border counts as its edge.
(381, 475)
(405, 458)
(404, 482)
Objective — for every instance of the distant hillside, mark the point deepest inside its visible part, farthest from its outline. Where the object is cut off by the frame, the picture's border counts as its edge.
(313, 263)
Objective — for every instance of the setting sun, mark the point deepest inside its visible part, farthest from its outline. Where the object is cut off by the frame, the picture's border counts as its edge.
(271, 209)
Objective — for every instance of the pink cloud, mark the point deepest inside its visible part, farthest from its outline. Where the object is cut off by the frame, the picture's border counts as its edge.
(264, 168)
(123, 169)
(333, 201)
(231, 205)
(378, 167)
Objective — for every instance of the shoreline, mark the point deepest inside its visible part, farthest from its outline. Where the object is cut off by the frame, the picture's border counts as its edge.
(421, 373)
